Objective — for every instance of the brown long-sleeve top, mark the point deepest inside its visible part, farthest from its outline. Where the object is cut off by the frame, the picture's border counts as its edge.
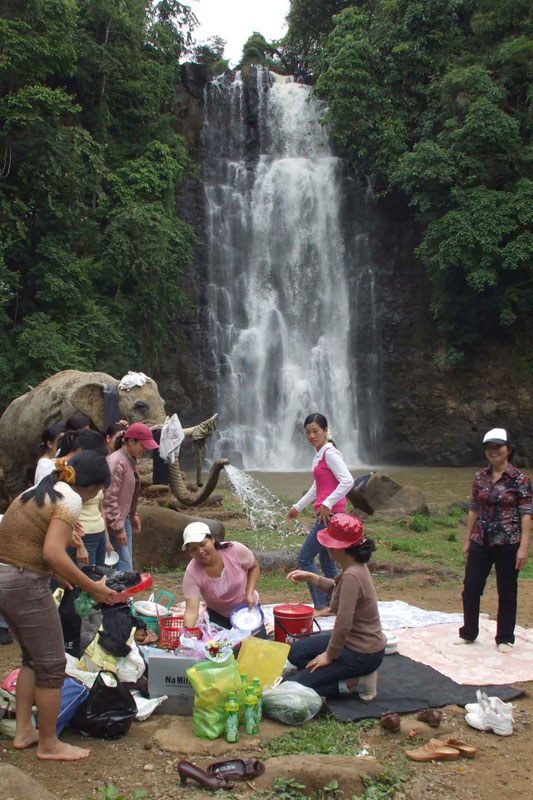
(355, 603)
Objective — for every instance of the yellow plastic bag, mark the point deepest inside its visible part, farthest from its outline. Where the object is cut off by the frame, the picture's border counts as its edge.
(263, 659)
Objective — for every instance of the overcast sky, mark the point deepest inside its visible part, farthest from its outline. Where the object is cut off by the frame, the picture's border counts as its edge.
(235, 20)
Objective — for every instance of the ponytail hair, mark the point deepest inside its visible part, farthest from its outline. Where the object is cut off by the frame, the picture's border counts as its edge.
(84, 439)
(84, 469)
(361, 552)
(49, 435)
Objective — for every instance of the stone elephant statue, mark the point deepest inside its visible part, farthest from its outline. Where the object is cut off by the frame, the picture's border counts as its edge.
(70, 392)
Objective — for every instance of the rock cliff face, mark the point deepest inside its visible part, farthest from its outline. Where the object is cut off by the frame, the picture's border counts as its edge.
(410, 410)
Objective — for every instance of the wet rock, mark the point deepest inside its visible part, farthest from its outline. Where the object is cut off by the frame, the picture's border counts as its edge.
(407, 501)
(16, 785)
(161, 537)
(379, 489)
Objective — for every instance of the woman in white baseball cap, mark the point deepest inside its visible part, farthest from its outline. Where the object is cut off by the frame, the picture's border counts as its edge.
(497, 532)
(223, 574)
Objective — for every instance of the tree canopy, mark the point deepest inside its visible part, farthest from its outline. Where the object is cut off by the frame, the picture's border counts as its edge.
(432, 98)
(92, 246)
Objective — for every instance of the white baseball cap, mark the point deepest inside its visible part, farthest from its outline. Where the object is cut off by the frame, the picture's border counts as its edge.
(195, 532)
(496, 436)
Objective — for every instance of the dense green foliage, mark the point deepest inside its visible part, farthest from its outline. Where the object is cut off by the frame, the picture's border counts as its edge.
(433, 98)
(92, 246)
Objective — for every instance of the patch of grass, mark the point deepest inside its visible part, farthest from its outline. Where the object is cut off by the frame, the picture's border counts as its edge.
(420, 523)
(322, 735)
(385, 785)
(110, 792)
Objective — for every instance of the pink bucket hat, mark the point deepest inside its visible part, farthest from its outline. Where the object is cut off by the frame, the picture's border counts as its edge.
(343, 531)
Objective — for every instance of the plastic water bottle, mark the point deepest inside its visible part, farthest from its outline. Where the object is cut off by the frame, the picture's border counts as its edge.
(231, 707)
(250, 712)
(256, 686)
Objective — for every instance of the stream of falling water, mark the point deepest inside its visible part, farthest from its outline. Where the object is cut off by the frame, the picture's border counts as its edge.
(278, 296)
(261, 506)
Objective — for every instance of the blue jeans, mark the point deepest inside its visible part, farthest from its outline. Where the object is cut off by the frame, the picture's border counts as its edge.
(325, 680)
(125, 552)
(306, 560)
(95, 545)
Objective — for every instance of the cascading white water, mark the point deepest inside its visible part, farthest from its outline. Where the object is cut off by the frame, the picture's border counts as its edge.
(261, 506)
(278, 296)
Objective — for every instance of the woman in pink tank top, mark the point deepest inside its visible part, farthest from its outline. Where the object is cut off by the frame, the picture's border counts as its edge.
(328, 493)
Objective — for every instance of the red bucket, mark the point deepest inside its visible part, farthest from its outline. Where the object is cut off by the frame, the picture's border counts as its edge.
(292, 620)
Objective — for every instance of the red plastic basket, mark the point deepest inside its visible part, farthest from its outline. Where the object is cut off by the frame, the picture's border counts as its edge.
(170, 630)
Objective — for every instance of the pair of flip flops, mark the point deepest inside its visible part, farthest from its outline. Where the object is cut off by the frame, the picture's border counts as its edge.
(237, 769)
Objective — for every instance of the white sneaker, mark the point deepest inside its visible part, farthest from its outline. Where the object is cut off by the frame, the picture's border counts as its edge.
(491, 720)
(505, 647)
(484, 703)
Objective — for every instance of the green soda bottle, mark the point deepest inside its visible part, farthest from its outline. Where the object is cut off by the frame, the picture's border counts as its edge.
(256, 686)
(231, 707)
(250, 712)
(244, 680)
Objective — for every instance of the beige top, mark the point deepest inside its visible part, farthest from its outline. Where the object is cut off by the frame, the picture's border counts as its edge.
(355, 603)
(91, 519)
(24, 527)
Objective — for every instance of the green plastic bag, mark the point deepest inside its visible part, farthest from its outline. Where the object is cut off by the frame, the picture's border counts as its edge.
(212, 683)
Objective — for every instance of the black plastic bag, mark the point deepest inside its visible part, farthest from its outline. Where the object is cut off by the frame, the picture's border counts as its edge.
(108, 712)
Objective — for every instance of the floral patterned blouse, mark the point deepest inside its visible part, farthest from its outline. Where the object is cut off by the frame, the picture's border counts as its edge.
(500, 506)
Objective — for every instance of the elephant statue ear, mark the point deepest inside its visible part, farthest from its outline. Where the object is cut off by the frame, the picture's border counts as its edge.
(89, 399)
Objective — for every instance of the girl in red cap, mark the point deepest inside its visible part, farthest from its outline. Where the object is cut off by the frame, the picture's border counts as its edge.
(335, 663)
(120, 499)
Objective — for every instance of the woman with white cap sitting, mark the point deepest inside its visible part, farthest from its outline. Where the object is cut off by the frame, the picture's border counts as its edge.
(348, 658)
(223, 574)
(497, 532)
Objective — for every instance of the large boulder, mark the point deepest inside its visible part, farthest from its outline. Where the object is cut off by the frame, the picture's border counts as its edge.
(379, 489)
(409, 500)
(161, 537)
(317, 771)
(16, 785)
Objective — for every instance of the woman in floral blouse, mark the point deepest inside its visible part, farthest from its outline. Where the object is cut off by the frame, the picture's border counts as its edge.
(497, 532)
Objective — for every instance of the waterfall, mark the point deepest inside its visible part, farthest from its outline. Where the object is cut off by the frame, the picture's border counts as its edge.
(278, 289)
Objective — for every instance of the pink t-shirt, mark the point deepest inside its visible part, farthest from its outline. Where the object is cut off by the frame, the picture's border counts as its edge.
(224, 593)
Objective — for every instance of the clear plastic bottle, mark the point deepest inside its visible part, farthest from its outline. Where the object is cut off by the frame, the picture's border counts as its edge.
(231, 707)
(256, 686)
(250, 712)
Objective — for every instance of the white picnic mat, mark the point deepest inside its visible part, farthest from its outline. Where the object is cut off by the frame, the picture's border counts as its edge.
(393, 614)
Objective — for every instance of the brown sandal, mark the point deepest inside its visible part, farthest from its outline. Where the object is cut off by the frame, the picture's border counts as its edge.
(466, 750)
(431, 716)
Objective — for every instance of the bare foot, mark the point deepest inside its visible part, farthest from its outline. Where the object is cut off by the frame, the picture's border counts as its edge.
(322, 612)
(25, 739)
(63, 752)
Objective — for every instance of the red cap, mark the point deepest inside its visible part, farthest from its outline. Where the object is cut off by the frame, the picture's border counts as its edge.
(143, 433)
(343, 531)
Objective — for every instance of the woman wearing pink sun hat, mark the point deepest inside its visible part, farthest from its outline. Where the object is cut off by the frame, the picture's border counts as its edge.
(333, 663)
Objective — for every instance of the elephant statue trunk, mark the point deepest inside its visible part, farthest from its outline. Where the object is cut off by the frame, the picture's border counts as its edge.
(180, 491)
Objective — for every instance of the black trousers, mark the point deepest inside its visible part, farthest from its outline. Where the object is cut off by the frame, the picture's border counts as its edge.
(478, 566)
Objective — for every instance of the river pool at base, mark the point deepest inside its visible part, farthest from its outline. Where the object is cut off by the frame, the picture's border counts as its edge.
(440, 485)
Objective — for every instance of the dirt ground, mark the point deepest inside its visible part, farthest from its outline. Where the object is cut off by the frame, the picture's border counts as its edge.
(502, 766)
